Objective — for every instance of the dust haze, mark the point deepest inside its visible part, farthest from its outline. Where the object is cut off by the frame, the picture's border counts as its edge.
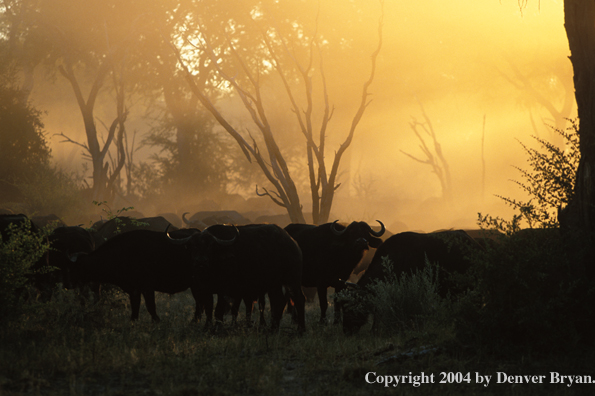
(480, 72)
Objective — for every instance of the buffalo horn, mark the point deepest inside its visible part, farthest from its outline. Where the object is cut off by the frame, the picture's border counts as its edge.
(175, 241)
(379, 233)
(185, 219)
(352, 285)
(334, 229)
(223, 242)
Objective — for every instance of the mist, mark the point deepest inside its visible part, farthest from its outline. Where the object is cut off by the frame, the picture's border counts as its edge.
(473, 68)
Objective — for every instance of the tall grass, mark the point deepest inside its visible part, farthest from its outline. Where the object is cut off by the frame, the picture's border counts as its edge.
(62, 347)
(65, 347)
(410, 301)
(19, 251)
(404, 304)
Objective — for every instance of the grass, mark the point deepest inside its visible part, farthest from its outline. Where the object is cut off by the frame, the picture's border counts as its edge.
(61, 348)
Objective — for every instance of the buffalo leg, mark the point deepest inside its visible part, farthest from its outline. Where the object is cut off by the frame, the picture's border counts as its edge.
(323, 303)
(207, 299)
(221, 308)
(278, 301)
(338, 305)
(299, 305)
(290, 309)
(150, 304)
(261, 307)
(198, 301)
(249, 303)
(249, 307)
(235, 309)
(134, 303)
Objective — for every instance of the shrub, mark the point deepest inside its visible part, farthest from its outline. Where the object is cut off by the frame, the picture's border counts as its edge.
(549, 184)
(408, 302)
(51, 190)
(527, 293)
(18, 253)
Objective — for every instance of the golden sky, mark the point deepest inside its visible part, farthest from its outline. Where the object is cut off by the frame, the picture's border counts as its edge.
(458, 59)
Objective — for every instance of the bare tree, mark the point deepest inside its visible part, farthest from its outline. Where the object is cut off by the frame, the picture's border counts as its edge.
(90, 46)
(526, 83)
(103, 179)
(433, 157)
(323, 181)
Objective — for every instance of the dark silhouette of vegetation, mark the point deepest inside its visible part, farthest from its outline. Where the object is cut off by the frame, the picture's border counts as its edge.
(549, 184)
(21, 248)
(23, 147)
(192, 160)
(528, 290)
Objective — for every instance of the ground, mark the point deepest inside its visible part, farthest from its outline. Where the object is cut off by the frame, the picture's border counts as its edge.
(62, 348)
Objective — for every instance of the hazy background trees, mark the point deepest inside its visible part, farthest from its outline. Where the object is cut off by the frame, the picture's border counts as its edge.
(23, 147)
(107, 78)
(288, 60)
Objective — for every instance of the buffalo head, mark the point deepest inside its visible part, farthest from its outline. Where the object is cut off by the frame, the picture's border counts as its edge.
(210, 247)
(359, 233)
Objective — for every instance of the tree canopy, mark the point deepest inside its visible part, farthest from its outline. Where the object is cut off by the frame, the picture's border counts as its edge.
(23, 147)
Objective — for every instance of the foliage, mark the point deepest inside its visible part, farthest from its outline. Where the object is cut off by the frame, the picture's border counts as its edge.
(549, 184)
(526, 295)
(21, 249)
(51, 190)
(192, 159)
(401, 303)
(23, 148)
(117, 216)
(109, 213)
(526, 292)
(66, 348)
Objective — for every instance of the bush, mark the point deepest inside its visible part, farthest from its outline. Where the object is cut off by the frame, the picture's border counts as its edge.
(18, 253)
(409, 302)
(23, 146)
(549, 184)
(526, 295)
(51, 190)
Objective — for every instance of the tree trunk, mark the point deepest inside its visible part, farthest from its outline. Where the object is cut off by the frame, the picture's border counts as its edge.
(578, 218)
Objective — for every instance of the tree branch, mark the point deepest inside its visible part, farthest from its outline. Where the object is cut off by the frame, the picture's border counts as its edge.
(360, 112)
(69, 140)
(267, 193)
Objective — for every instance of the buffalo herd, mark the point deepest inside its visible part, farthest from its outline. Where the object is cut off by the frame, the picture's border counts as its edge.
(240, 261)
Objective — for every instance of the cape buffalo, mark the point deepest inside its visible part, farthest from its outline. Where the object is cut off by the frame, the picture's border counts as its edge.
(407, 252)
(63, 241)
(205, 219)
(103, 231)
(330, 253)
(17, 219)
(245, 262)
(139, 262)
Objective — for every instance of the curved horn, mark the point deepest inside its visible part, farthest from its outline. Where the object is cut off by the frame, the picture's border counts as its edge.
(379, 233)
(175, 241)
(223, 242)
(185, 219)
(334, 229)
(352, 285)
